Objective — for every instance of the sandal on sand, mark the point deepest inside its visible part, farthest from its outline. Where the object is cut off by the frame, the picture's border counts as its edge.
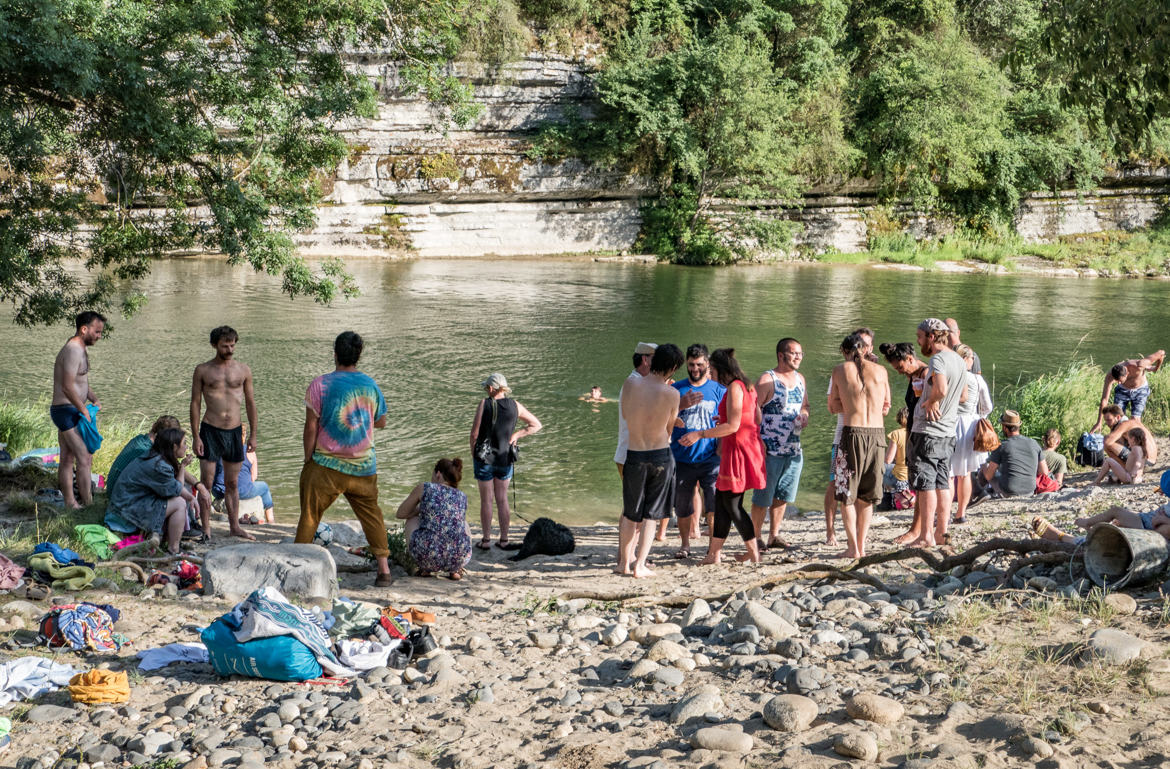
(959, 521)
(508, 545)
(682, 553)
(34, 592)
(483, 544)
(1042, 526)
(779, 542)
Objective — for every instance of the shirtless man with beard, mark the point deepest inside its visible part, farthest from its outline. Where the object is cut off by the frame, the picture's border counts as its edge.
(224, 383)
(71, 391)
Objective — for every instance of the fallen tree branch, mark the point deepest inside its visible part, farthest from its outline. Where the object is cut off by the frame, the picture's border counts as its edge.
(138, 572)
(1032, 560)
(1047, 550)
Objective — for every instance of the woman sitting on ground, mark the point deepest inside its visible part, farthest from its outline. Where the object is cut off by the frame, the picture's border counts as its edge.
(1157, 519)
(150, 494)
(1135, 461)
(437, 533)
(249, 484)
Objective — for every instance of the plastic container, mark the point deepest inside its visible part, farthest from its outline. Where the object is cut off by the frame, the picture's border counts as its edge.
(1115, 557)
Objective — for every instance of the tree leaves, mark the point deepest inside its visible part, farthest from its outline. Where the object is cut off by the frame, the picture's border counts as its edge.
(133, 128)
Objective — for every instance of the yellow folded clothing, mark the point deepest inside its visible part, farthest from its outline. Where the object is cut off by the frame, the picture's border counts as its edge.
(100, 686)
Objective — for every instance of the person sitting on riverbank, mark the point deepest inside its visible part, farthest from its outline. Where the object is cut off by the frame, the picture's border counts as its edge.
(250, 487)
(437, 534)
(1057, 463)
(1130, 386)
(1157, 519)
(1118, 426)
(137, 447)
(150, 493)
(1137, 444)
(1012, 468)
(896, 477)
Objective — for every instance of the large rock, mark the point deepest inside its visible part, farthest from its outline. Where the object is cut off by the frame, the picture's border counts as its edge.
(705, 700)
(790, 712)
(856, 745)
(348, 534)
(728, 740)
(239, 569)
(875, 708)
(1116, 647)
(769, 623)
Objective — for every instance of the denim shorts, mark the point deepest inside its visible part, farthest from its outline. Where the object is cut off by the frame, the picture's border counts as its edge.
(783, 480)
(484, 472)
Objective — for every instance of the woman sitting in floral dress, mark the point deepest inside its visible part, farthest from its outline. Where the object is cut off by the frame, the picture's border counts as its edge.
(437, 534)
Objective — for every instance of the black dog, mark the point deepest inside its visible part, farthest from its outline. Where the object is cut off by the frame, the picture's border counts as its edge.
(546, 537)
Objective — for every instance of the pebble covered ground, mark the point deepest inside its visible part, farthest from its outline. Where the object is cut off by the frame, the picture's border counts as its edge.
(723, 666)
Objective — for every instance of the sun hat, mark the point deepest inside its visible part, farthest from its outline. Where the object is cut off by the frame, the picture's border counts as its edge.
(645, 348)
(497, 382)
(1010, 418)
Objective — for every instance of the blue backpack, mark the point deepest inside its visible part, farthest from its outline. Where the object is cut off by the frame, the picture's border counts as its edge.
(1090, 450)
(279, 658)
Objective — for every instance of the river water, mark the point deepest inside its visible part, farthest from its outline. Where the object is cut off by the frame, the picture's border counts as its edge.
(435, 329)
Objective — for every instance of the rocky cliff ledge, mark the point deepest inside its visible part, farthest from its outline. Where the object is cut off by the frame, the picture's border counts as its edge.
(409, 189)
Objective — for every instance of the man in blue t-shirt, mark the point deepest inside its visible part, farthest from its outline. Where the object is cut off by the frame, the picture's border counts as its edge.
(699, 462)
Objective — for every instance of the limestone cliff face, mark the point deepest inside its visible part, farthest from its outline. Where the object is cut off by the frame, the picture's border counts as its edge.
(411, 190)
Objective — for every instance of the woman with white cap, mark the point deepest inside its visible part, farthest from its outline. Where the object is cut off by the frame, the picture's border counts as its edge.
(493, 442)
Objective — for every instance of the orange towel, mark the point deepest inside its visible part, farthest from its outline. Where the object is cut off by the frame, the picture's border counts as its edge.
(100, 686)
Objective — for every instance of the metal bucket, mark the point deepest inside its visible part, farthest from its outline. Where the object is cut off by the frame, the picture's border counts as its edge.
(1115, 557)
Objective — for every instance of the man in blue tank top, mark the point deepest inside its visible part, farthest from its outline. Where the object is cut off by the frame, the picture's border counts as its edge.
(697, 464)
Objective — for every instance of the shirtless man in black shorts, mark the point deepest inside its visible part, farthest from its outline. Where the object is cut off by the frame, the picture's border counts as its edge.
(224, 383)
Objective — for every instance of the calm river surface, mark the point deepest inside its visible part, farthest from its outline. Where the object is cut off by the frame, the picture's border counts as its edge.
(434, 329)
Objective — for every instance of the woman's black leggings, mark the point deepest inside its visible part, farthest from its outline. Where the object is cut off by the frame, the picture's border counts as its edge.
(729, 510)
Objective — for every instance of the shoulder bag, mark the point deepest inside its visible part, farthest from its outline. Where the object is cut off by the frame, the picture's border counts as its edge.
(984, 438)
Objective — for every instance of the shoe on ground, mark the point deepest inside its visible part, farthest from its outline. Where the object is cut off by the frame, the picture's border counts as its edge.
(384, 580)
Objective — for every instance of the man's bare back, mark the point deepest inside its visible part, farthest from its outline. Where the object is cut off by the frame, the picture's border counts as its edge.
(649, 406)
(861, 397)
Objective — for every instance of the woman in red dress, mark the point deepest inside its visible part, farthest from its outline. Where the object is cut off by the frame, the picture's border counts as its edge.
(741, 462)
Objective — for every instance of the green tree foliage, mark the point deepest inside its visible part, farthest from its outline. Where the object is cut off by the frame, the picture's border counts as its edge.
(1112, 58)
(952, 105)
(134, 128)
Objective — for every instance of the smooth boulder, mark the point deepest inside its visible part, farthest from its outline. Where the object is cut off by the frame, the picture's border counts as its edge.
(306, 570)
(769, 623)
(874, 708)
(790, 712)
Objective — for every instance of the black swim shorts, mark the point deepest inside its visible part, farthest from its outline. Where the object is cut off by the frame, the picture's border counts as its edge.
(218, 444)
(65, 416)
(647, 485)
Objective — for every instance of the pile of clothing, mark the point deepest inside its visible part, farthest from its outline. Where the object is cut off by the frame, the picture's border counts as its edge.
(82, 627)
(265, 636)
(59, 567)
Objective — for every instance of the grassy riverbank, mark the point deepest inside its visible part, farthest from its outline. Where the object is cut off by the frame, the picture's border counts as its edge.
(26, 425)
(1114, 253)
(1067, 400)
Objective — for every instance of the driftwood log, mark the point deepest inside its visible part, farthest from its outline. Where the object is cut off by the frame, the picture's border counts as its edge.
(1037, 551)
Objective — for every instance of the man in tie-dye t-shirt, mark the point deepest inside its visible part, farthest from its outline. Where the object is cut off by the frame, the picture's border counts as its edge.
(342, 409)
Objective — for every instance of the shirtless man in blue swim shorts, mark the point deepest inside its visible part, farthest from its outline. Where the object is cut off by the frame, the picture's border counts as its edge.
(71, 391)
(1129, 384)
